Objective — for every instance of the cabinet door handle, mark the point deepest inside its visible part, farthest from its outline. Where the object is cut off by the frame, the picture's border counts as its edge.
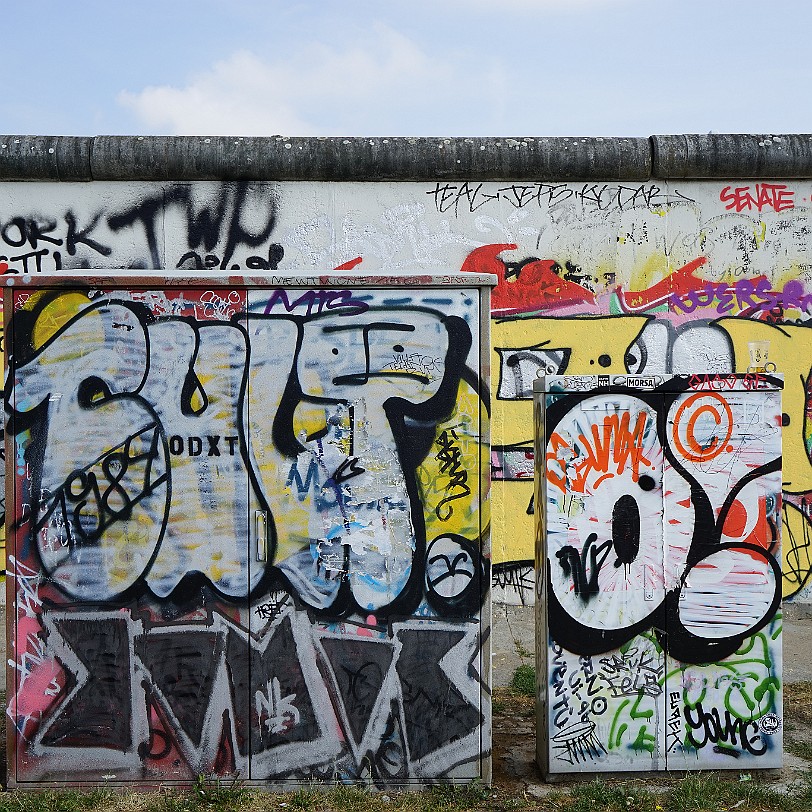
(261, 521)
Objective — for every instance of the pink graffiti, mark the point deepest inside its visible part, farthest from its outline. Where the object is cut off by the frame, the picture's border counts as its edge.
(40, 687)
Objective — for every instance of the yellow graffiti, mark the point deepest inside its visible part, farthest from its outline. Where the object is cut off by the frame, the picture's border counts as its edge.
(652, 270)
(796, 539)
(449, 477)
(791, 352)
(452, 478)
(595, 346)
(513, 526)
(55, 315)
(50, 320)
(598, 345)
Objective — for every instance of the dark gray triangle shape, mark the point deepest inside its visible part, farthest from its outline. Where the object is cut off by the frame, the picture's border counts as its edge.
(360, 668)
(96, 716)
(183, 666)
(435, 711)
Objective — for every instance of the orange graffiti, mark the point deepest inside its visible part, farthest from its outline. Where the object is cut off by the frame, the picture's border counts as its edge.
(695, 450)
(611, 444)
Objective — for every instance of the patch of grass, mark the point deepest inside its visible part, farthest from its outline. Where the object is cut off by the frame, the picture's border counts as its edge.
(798, 701)
(524, 680)
(305, 799)
(509, 702)
(797, 748)
(350, 798)
(461, 796)
(702, 791)
(705, 792)
(801, 795)
(599, 796)
(66, 800)
(219, 792)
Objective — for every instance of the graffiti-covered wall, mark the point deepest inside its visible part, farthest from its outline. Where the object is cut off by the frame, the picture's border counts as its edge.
(615, 277)
(659, 626)
(249, 529)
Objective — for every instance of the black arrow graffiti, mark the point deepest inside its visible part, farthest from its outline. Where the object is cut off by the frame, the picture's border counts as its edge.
(347, 470)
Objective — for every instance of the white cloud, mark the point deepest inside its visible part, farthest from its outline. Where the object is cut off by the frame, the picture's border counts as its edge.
(315, 91)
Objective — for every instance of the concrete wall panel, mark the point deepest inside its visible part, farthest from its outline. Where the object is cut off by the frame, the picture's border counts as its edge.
(618, 275)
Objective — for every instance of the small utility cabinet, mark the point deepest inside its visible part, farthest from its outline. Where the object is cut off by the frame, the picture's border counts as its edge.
(658, 508)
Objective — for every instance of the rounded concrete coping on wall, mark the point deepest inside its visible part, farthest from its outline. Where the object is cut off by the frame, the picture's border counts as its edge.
(44, 157)
(731, 156)
(24, 157)
(156, 158)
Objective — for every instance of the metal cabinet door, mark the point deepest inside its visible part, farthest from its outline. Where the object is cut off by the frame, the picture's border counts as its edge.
(605, 588)
(131, 514)
(364, 423)
(723, 522)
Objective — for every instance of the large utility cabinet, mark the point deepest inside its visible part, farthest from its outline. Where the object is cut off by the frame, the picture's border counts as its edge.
(248, 528)
(658, 507)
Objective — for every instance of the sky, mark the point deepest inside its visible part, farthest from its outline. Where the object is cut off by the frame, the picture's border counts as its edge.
(418, 68)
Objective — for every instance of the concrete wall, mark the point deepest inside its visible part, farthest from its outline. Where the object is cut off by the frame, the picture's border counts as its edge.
(636, 275)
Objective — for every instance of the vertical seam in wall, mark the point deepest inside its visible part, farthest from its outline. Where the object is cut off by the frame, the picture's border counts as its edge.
(90, 151)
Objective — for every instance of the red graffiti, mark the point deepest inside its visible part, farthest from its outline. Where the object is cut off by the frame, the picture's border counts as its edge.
(775, 196)
(740, 516)
(349, 265)
(485, 259)
(525, 287)
(681, 282)
(751, 381)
